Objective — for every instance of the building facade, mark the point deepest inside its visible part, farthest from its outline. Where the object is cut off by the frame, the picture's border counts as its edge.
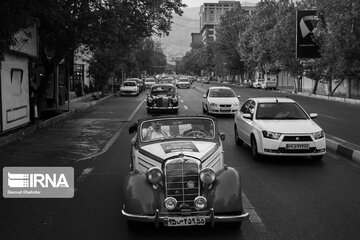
(15, 94)
(210, 14)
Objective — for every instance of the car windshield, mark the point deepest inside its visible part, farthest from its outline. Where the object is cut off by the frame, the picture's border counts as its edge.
(276, 111)
(221, 92)
(150, 80)
(162, 90)
(129, 84)
(193, 128)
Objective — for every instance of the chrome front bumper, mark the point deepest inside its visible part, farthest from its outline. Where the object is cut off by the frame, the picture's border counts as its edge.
(161, 217)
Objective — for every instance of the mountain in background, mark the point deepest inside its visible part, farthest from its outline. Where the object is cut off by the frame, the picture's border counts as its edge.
(177, 43)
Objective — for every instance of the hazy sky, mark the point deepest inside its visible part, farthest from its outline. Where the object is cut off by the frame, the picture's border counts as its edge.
(198, 3)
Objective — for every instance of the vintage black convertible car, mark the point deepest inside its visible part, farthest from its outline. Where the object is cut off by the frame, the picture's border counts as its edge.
(162, 97)
(178, 176)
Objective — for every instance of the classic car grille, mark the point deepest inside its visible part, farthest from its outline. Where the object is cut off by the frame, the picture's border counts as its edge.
(297, 139)
(162, 102)
(182, 182)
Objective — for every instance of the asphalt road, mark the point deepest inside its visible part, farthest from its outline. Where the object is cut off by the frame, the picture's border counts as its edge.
(287, 198)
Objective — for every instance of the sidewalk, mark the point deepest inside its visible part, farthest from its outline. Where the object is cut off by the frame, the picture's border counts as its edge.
(77, 105)
(60, 141)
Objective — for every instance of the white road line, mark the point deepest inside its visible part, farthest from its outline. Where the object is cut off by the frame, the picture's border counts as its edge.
(181, 100)
(327, 116)
(254, 217)
(186, 107)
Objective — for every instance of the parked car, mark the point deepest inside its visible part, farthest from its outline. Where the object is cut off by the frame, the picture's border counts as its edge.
(162, 97)
(258, 82)
(149, 82)
(139, 82)
(220, 100)
(269, 83)
(278, 127)
(129, 88)
(183, 83)
(178, 176)
(206, 80)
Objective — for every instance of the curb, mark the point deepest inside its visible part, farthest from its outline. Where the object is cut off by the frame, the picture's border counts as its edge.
(32, 129)
(346, 151)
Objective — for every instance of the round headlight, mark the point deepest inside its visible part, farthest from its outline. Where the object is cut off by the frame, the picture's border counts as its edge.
(200, 202)
(170, 203)
(207, 175)
(174, 100)
(149, 100)
(154, 175)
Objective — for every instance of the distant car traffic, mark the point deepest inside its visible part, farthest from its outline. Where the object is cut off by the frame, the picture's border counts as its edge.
(139, 82)
(167, 80)
(149, 82)
(269, 83)
(220, 100)
(178, 175)
(278, 127)
(162, 97)
(183, 83)
(258, 83)
(129, 88)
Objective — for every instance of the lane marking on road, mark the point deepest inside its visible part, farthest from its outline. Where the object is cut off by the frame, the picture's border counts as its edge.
(327, 116)
(136, 109)
(181, 100)
(87, 171)
(186, 107)
(253, 216)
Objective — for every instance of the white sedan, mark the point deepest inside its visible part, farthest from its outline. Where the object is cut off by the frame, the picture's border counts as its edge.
(129, 88)
(278, 127)
(220, 100)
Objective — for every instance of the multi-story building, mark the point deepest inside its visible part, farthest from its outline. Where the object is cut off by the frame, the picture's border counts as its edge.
(210, 14)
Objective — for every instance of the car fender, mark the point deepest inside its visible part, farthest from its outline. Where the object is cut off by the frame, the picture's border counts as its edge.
(257, 133)
(140, 197)
(225, 195)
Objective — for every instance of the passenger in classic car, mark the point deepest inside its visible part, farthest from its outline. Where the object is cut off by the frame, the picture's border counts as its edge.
(155, 132)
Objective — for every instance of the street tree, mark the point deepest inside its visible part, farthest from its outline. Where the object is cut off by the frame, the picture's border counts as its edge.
(98, 24)
(232, 24)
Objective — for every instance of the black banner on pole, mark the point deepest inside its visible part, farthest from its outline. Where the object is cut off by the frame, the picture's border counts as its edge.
(306, 47)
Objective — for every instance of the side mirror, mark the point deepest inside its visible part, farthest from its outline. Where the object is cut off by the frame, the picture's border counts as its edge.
(313, 115)
(133, 128)
(247, 116)
(222, 136)
(238, 96)
(204, 96)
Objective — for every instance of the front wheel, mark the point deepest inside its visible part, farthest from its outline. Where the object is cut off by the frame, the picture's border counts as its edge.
(254, 150)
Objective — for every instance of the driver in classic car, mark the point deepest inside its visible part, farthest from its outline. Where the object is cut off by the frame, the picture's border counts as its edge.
(155, 132)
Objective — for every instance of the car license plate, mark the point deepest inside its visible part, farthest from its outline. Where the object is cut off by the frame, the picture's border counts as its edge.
(185, 221)
(225, 109)
(297, 146)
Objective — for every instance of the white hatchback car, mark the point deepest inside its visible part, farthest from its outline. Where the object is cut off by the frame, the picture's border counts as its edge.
(278, 127)
(220, 100)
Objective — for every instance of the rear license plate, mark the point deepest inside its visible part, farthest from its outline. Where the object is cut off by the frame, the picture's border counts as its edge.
(185, 221)
(297, 146)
